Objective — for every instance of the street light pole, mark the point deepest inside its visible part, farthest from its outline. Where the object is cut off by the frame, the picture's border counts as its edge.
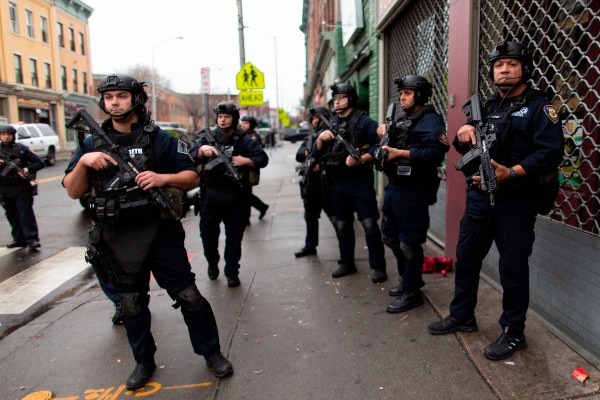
(154, 115)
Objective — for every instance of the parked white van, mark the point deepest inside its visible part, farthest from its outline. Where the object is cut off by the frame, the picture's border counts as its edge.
(41, 139)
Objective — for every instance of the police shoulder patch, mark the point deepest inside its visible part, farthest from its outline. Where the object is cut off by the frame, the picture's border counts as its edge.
(444, 139)
(551, 113)
(181, 147)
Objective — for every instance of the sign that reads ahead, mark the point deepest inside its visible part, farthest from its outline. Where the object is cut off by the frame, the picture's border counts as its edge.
(249, 78)
(251, 98)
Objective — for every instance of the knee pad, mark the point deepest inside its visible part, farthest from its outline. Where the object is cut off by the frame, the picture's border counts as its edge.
(407, 250)
(343, 227)
(370, 226)
(132, 303)
(391, 242)
(190, 298)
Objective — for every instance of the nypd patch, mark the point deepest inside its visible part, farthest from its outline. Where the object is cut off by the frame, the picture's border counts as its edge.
(551, 113)
(181, 147)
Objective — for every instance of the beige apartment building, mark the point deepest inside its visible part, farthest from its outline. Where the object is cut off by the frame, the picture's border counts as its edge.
(45, 65)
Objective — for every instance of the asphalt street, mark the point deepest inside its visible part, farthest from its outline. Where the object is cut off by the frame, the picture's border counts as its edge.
(291, 331)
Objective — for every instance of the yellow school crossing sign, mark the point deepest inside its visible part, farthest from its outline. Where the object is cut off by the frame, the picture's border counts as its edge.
(250, 78)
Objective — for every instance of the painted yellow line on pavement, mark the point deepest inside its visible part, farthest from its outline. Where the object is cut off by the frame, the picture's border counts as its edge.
(50, 179)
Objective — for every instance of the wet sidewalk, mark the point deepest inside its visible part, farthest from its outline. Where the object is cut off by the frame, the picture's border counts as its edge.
(291, 331)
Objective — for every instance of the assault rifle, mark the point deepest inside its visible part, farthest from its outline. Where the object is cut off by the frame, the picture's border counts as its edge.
(337, 135)
(10, 165)
(480, 153)
(233, 172)
(129, 168)
(381, 155)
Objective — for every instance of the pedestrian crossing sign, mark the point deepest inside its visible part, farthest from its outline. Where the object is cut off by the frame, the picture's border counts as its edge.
(249, 78)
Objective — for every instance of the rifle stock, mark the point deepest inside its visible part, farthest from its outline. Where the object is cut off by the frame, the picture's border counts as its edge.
(338, 138)
(128, 167)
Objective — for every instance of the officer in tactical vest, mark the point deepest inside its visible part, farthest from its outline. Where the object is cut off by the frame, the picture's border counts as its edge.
(352, 180)
(417, 146)
(132, 234)
(249, 124)
(18, 166)
(526, 155)
(226, 157)
(313, 190)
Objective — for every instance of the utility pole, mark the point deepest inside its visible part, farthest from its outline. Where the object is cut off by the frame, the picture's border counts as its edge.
(241, 34)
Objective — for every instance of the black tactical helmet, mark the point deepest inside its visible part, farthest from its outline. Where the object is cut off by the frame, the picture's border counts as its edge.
(228, 108)
(127, 83)
(7, 129)
(512, 49)
(320, 110)
(347, 89)
(251, 120)
(420, 85)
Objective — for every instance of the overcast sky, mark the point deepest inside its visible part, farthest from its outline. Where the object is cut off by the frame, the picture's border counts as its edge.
(124, 32)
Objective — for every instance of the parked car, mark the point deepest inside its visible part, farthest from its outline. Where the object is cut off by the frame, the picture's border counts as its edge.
(41, 139)
(267, 136)
(299, 133)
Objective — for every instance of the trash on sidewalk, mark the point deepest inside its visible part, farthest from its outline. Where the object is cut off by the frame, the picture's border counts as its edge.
(437, 264)
(580, 374)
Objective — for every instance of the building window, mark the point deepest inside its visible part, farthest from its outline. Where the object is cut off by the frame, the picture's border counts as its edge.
(29, 15)
(74, 74)
(81, 44)
(44, 24)
(61, 35)
(14, 21)
(18, 69)
(72, 39)
(84, 82)
(34, 73)
(48, 76)
(63, 77)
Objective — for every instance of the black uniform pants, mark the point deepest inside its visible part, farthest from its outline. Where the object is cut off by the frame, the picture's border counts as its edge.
(169, 265)
(511, 227)
(350, 196)
(20, 216)
(234, 216)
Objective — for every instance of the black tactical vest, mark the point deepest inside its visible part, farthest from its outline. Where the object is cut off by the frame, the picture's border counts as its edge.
(117, 198)
(335, 157)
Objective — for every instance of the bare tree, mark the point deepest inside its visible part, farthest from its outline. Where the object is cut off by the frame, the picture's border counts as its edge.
(194, 105)
(144, 73)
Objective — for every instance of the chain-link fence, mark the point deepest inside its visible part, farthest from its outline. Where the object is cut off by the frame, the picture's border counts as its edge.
(419, 45)
(563, 37)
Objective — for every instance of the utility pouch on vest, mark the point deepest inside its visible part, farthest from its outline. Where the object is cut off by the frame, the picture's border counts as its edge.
(254, 177)
(94, 256)
(175, 197)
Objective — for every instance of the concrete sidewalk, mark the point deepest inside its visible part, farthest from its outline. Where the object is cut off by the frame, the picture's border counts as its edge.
(291, 331)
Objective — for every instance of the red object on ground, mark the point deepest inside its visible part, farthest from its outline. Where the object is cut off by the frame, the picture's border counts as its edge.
(580, 374)
(429, 265)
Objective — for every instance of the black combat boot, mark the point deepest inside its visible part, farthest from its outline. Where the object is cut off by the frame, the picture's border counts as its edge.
(408, 299)
(263, 211)
(219, 365)
(141, 375)
(213, 272)
(305, 251)
(379, 275)
(451, 324)
(344, 270)
(507, 343)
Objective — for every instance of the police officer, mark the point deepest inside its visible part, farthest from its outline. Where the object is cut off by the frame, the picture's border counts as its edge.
(224, 198)
(18, 166)
(133, 236)
(312, 188)
(529, 146)
(352, 181)
(417, 148)
(249, 124)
